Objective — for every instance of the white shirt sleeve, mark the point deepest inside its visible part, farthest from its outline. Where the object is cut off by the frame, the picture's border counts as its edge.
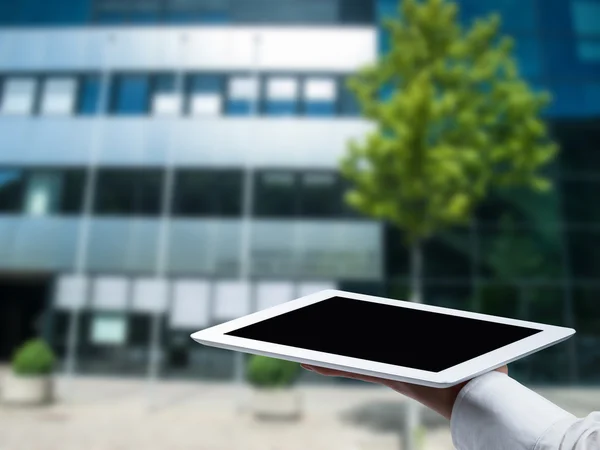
(495, 412)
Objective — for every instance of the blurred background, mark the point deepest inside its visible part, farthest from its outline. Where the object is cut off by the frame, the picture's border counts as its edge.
(166, 165)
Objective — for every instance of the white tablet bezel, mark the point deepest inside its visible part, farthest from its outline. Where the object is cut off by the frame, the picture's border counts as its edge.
(216, 337)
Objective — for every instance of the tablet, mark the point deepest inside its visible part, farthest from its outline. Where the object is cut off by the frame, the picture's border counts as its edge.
(381, 337)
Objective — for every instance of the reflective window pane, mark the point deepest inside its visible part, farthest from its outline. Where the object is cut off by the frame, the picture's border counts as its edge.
(58, 96)
(321, 195)
(43, 193)
(242, 96)
(166, 100)
(129, 192)
(348, 103)
(18, 96)
(208, 193)
(11, 190)
(88, 102)
(131, 94)
(586, 17)
(204, 95)
(276, 194)
(319, 96)
(282, 96)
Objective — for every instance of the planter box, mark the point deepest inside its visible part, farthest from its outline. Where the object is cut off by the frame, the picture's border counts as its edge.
(27, 390)
(276, 404)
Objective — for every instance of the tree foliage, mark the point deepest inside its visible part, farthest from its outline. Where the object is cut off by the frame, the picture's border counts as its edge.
(452, 118)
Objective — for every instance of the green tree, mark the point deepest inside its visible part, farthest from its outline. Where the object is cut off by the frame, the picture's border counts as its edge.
(452, 119)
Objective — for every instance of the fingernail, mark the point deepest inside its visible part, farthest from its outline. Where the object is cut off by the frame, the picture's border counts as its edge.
(307, 367)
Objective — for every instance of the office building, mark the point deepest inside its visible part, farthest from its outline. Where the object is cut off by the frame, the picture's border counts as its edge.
(177, 160)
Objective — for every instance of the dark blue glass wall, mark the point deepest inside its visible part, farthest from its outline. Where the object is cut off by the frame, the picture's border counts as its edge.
(44, 12)
(172, 12)
(557, 46)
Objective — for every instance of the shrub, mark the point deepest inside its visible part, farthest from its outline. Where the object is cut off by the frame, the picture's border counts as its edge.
(34, 357)
(266, 372)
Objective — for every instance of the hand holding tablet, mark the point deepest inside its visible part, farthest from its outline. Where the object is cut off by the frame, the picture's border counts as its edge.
(384, 338)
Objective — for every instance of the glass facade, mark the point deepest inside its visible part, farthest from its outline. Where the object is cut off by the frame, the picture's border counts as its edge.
(525, 256)
(531, 256)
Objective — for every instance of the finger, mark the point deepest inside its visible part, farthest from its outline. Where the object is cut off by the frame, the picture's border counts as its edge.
(503, 369)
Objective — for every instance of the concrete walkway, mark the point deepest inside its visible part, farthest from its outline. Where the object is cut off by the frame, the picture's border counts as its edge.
(115, 414)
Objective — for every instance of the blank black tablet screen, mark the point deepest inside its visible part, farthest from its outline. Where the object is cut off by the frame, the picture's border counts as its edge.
(383, 333)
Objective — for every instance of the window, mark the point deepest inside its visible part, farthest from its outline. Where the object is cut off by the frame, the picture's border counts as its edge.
(191, 305)
(319, 97)
(586, 23)
(197, 11)
(282, 96)
(130, 95)
(18, 96)
(586, 17)
(320, 195)
(242, 96)
(150, 295)
(285, 12)
(204, 95)
(43, 192)
(129, 192)
(54, 191)
(208, 193)
(581, 200)
(276, 194)
(348, 103)
(71, 292)
(88, 102)
(110, 293)
(11, 190)
(111, 11)
(108, 329)
(166, 98)
(58, 96)
(145, 11)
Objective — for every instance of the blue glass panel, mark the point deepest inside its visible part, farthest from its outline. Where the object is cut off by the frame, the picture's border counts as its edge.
(145, 11)
(560, 59)
(281, 108)
(592, 98)
(131, 95)
(319, 109)
(528, 55)
(7, 13)
(204, 83)
(164, 83)
(109, 17)
(348, 103)
(88, 102)
(47, 12)
(575, 99)
(144, 18)
(517, 15)
(554, 16)
(207, 18)
(385, 9)
(586, 17)
(588, 51)
(239, 108)
(11, 188)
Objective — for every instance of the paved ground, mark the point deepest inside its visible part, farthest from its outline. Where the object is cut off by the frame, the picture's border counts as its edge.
(115, 414)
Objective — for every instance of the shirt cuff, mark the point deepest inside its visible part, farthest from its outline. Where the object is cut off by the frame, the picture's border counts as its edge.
(494, 411)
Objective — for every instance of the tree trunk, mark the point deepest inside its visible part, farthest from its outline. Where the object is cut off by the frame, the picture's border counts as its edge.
(413, 409)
